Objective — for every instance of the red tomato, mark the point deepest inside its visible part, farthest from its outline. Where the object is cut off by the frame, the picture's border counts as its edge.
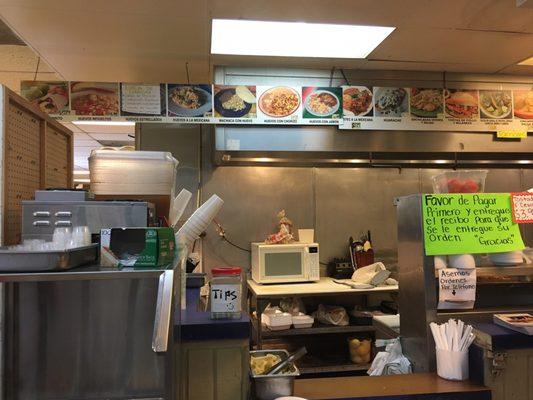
(454, 186)
(469, 186)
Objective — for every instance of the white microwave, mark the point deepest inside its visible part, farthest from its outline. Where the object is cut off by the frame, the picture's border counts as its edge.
(285, 263)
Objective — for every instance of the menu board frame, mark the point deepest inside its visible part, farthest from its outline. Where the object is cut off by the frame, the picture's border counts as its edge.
(354, 107)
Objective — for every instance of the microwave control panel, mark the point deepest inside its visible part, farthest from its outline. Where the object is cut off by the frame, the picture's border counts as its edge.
(313, 262)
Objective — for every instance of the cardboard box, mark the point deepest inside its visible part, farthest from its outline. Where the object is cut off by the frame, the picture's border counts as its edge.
(137, 247)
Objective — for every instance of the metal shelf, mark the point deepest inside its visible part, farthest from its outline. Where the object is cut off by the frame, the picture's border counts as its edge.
(481, 313)
(317, 329)
(519, 270)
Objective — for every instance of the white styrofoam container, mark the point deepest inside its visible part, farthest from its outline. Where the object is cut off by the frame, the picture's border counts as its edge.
(277, 321)
(302, 321)
(132, 172)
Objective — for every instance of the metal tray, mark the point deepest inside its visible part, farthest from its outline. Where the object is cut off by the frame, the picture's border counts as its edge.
(38, 261)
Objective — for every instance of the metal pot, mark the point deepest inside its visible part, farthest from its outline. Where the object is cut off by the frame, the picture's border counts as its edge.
(270, 387)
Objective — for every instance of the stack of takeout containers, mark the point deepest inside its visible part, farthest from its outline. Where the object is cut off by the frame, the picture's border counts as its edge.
(119, 172)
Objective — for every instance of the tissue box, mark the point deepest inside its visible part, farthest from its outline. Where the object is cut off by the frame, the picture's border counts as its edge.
(136, 247)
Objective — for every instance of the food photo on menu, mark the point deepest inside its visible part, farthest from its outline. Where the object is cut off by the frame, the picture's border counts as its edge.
(94, 98)
(234, 101)
(142, 99)
(390, 101)
(322, 102)
(495, 104)
(279, 102)
(49, 97)
(189, 100)
(523, 104)
(459, 103)
(356, 101)
(426, 103)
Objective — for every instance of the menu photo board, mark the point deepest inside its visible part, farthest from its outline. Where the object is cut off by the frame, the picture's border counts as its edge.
(51, 97)
(279, 105)
(509, 112)
(234, 104)
(190, 103)
(321, 105)
(94, 99)
(398, 108)
(469, 224)
(139, 100)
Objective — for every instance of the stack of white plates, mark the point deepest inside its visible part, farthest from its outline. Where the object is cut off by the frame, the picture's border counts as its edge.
(507, 258)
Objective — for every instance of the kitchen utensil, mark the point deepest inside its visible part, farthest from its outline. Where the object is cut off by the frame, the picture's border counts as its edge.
(351, 249)
(302, 351)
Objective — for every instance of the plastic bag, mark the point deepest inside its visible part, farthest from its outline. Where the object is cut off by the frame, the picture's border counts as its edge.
(332, 315)
(293, 306)
(391, 361)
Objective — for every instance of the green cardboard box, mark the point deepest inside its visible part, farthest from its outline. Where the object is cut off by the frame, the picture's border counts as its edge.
(137, 247)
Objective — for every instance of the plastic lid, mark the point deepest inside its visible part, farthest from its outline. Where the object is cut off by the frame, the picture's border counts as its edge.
(226, 271)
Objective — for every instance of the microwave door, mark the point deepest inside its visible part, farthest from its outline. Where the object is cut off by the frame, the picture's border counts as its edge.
(283, 266)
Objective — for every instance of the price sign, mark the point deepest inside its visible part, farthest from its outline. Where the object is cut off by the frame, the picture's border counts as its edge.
(511, 134)
(469, 223)
(522, 207)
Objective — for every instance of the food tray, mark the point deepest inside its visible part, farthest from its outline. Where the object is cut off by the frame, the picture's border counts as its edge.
(38, 261)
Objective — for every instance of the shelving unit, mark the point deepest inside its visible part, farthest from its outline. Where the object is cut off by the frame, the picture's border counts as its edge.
(325, 290)
(317, 329)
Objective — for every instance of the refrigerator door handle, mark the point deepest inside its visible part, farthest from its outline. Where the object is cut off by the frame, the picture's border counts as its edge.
(163, 312)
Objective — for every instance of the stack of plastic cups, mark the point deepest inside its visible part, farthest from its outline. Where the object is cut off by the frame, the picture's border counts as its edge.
(190, 231)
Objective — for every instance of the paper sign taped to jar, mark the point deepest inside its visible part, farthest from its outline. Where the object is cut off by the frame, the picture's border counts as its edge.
(225, 298)
(457, 285)
(522, 207)
(469, 223)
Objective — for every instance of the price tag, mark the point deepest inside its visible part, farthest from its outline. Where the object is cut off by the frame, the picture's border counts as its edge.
(522, 207)
(457, 285)
(511, 134)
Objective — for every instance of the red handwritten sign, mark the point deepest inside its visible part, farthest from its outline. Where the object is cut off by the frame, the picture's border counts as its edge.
(522, 204)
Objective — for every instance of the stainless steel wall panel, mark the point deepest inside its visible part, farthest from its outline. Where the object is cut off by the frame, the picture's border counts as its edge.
(329, 138)
(351, 201)
(252, 198)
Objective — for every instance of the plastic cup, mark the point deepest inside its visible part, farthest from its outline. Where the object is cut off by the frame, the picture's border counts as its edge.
(306, 235)
(452, 365)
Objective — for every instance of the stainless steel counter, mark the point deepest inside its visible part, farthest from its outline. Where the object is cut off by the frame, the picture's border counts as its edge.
(91, 272)
(88, 333)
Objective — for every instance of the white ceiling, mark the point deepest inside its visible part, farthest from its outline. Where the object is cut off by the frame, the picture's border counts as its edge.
(90, 137)
(147, 41)
(139, 40)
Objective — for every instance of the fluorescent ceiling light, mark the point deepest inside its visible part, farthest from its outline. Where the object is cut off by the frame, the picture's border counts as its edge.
(105, 123)
(527, 61)
(295, 39)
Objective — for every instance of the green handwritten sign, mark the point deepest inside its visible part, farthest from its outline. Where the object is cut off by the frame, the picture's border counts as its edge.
(469, 224)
